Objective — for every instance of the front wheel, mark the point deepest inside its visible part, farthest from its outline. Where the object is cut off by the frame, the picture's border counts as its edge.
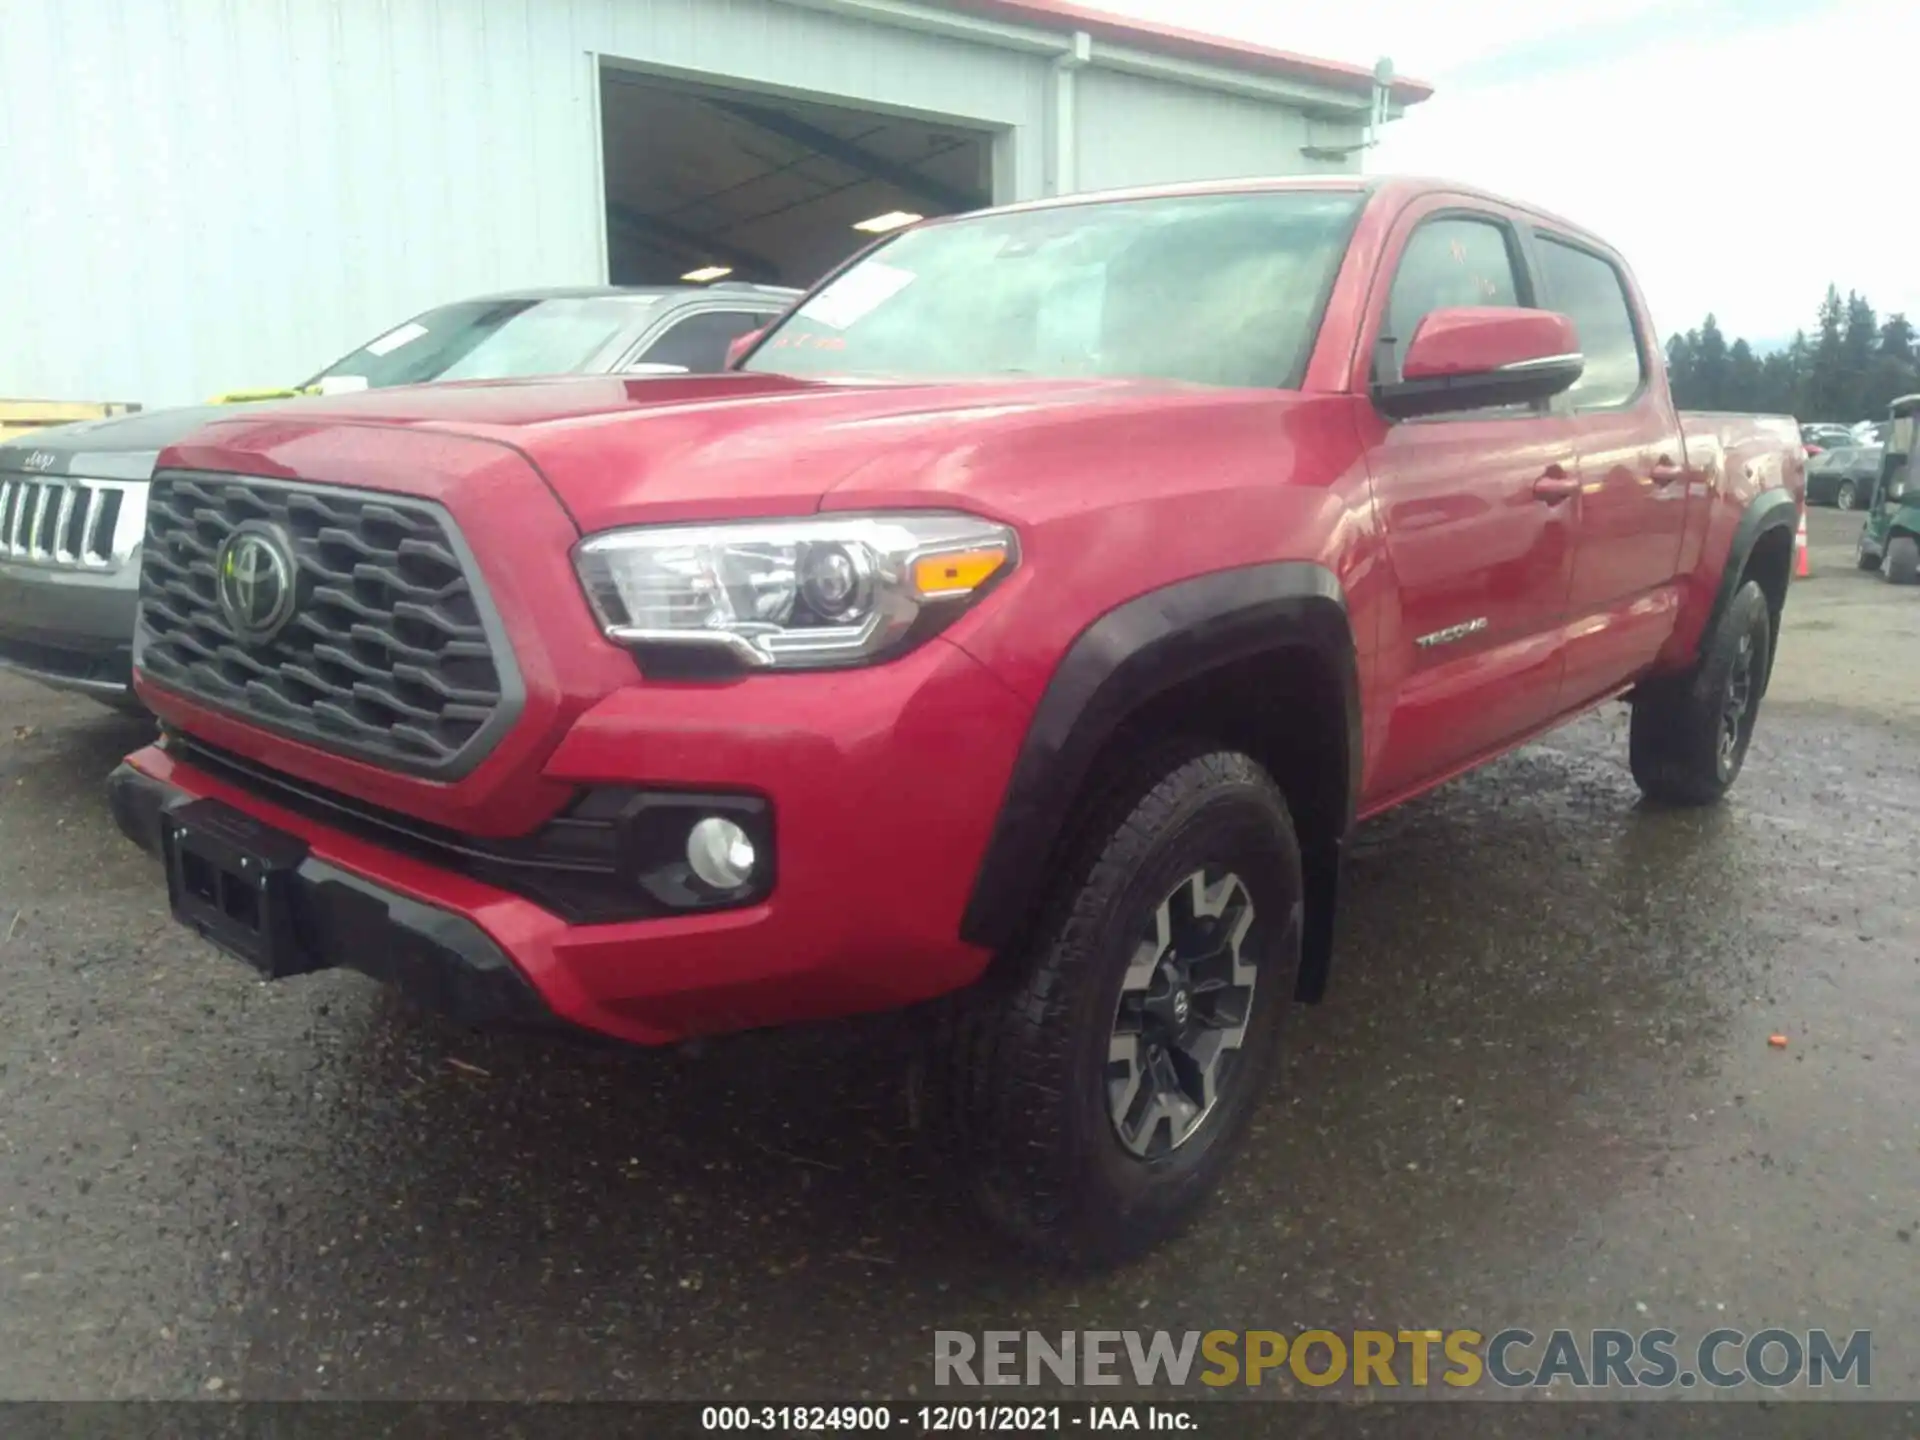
(1094, 1091)
(1903, 560)
(1690, 732)
(1864, 556)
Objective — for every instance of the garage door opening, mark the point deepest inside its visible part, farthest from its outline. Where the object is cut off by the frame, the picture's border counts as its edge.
(716, 184)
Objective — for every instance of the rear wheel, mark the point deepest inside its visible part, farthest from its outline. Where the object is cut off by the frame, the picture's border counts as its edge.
(1095, 1091)
(1903, 560)
(1690, 732)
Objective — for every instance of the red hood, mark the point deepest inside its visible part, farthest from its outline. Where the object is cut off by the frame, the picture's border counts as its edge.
(624, 451)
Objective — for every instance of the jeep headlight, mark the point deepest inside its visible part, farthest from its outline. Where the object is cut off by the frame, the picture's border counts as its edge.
(814, 592)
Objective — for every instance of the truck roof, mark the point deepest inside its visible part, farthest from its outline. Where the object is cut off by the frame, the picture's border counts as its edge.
(1400, 188)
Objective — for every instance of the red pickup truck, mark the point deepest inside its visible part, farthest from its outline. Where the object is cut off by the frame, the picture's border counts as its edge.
(1021, 627)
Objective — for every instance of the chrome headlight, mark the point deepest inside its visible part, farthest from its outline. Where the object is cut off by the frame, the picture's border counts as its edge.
(815, 592)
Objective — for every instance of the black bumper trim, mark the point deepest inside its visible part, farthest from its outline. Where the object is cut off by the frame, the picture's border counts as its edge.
(438, 959)
(105, 674)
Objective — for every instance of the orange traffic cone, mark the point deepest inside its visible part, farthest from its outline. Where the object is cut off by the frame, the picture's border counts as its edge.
(1800, 549)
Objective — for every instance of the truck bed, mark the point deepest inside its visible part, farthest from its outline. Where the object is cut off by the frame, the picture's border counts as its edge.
(1717, 441)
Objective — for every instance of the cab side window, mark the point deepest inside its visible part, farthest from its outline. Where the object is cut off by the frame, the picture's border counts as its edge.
(1448, 262)
(1590, 292)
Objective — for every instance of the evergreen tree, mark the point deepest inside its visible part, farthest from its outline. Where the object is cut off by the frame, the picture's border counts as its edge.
(1896, 337)
(1779, 392)
(1888, 377)
(1825, 391)
(1858, 343)
(1711, 367)
(1849, 369)
(1680, 353)
(1744, 389)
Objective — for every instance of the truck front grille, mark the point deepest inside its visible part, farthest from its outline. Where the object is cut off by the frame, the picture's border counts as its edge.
(390, 653)
(69, 524)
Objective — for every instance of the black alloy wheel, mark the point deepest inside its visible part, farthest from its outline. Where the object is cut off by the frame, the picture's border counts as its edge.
(1182, 1014)
(1738, 710)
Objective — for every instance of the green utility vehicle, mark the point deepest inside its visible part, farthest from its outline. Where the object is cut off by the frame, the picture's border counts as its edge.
(1890, 540)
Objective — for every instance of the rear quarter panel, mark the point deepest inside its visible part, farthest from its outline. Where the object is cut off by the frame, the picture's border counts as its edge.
(1733, 460)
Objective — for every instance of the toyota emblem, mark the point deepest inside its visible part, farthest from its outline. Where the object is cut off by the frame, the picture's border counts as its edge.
(255, 580)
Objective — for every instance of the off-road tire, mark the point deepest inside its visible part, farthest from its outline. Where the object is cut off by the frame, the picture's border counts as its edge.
(1903, 560)
(1675, 744)
(1863, 558)
(1018, 1088)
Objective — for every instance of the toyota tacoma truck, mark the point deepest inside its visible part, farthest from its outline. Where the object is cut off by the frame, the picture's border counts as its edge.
(73, 499)
(1016, 633)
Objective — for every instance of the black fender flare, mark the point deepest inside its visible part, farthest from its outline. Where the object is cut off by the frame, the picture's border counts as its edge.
(1132, 654)
(1770, 510)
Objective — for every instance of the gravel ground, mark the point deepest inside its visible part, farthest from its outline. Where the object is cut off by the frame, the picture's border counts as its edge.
(1541, 1093)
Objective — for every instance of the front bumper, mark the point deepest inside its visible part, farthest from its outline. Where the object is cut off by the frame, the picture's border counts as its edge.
(440, 959)
(884, 784)
(70, 629)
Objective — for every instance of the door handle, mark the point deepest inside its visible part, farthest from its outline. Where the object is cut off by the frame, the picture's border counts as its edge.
(1665, 472)
(1555, 485)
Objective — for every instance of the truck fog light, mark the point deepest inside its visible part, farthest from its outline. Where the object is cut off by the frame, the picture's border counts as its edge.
(720, 853)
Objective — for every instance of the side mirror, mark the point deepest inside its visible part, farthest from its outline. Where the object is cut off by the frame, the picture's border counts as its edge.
(1478, 358)
(737, 350)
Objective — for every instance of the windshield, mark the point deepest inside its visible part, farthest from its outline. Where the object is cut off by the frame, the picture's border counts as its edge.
(489, 340)
(1213, 290)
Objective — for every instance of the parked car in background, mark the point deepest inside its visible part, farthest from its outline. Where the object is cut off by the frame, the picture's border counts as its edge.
(1843, 477)
(1827, 437)
(1023, 629)
(73, 500)
(1890, 538)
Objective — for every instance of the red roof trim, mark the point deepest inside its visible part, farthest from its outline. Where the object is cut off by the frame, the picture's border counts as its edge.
(1189, 44)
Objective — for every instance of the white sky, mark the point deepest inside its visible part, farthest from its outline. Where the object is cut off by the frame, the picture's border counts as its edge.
(1741, 154)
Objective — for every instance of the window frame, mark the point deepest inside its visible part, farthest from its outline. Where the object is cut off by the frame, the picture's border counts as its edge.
(1526, 295)
(1543, 235)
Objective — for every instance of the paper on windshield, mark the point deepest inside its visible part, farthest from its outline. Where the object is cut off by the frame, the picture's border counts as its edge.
(394, 339)
(858, 293)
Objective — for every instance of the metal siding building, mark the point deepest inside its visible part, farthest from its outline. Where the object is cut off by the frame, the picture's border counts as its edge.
(215, 194)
